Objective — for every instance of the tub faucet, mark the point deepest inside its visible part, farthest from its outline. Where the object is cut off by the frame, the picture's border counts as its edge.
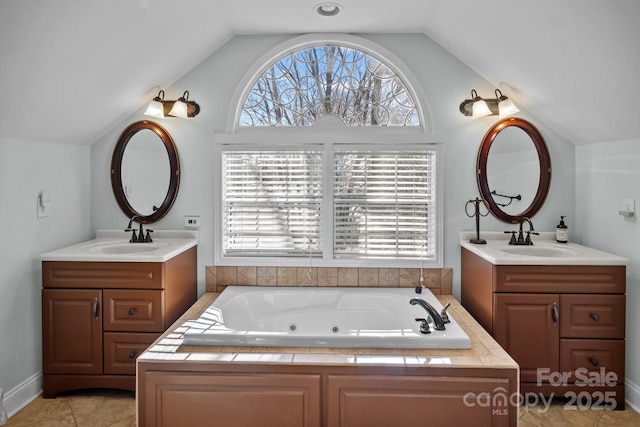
(437, 319)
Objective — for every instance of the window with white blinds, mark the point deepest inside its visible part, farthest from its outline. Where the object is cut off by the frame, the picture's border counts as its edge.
(272, 201)
(382, 202)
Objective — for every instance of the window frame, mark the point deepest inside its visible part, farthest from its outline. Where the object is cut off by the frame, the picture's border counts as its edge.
(296, 137)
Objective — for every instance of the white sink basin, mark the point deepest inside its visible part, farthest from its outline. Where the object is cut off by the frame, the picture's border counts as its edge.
(539, 251)
(126, 248)
(544, 251)
(113, 245)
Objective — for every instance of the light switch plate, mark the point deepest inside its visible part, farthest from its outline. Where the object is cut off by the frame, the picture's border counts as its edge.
(42, 209)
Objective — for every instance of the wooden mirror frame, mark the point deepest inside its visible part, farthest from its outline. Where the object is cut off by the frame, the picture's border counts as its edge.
(544, 162)
(116, 171)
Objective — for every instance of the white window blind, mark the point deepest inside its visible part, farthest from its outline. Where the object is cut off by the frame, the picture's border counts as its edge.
(272, 201)
(384, 203)
(330, 201)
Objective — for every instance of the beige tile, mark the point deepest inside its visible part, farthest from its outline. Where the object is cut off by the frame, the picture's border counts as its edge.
(307, 276)
(556, 415)
(327, 276)
(226, 276)
(44, 413)
(431, 277)
(409, 277)
(628, 417)
(388, 277)
(247, 276)
(267, 276)
(286, 276)
(446, 281)
(368, 277)
(101, 410)
(347, 276)
(211, 278)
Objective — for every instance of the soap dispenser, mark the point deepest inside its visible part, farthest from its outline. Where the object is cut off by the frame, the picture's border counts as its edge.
(562, 231)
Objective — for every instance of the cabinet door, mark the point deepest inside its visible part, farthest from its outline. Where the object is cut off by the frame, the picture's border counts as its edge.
(527, 327)
(72, 331)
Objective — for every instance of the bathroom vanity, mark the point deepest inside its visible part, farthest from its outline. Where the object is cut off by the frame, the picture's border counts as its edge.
(558, 310)
(105, 301)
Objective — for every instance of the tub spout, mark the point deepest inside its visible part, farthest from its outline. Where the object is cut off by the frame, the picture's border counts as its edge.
(437, 319)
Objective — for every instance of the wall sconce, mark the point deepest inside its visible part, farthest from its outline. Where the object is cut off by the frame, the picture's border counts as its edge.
(182, 107)
(479, 107)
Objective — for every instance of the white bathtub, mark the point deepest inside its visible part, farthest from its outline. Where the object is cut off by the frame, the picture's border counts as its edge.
(321, 317)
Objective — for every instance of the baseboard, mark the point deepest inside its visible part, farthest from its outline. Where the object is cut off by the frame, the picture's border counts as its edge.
(632, 395)
(23, 394)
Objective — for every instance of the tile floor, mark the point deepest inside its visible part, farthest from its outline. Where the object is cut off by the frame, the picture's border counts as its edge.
(102, 408)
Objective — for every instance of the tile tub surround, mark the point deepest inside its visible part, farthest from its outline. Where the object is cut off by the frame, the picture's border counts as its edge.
(439, 280)
(485, 357)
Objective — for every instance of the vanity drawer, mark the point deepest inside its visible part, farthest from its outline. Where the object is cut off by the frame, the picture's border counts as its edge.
(133, 310)
(583, 279)
(116, 275)
(122, 349)
(592, 316)
(601, 357)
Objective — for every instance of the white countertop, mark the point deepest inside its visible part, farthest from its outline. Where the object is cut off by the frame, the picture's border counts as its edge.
(544, 251)
(114, 246)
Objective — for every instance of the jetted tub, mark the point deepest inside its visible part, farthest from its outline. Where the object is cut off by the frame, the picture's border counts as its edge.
(322, 317)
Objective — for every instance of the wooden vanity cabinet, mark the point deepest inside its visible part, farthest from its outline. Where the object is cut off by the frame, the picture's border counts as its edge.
(97, 317)
(554, 320)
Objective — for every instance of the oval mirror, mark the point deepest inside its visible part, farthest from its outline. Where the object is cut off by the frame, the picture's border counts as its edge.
(145, 171)
(513, 170)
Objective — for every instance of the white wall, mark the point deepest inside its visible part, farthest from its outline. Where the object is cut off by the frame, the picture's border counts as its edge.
(605, 175)
(26, 168)
(445, 82)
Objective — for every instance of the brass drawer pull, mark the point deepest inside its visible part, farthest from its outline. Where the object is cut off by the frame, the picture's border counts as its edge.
(594, 362)
(595, 317)
(132, 311)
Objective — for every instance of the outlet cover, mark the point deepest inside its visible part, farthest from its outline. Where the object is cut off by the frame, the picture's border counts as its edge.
(192, 221)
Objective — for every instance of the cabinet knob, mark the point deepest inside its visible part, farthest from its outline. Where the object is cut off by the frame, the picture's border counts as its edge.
(132, 355)
(595, 317)
(594, 362)
(132, 311)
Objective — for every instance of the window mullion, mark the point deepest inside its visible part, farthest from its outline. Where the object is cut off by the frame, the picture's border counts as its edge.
(327, 219)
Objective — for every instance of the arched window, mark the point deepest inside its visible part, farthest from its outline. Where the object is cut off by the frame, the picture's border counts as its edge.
(328, 79)
(359, 190)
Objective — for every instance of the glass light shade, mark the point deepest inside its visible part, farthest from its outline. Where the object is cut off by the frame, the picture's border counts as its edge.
(179, 109)
(155, 109)
(506, 107)
(480, 109)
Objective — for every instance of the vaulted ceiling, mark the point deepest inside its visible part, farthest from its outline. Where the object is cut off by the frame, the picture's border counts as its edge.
(70, 70)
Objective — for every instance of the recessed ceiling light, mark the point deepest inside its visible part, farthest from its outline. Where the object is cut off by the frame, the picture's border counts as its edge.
(328, 9)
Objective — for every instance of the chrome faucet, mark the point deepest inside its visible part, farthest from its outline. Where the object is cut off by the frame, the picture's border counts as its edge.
(433, 313)
(521, 240)
(140, 237)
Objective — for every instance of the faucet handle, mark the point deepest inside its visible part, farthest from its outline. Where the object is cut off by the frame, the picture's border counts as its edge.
(424, 325)
(513, 240)
(148, 238)
(444, 315)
